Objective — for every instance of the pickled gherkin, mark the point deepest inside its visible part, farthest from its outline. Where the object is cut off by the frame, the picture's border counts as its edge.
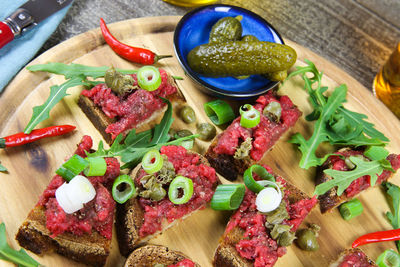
(236, 58)
(226, 29)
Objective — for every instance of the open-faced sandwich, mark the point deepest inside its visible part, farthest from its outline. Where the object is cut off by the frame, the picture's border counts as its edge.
(353, 257)
(126, 102)
(170, 184)
(75, 218)
(263, 226)
(252, 134)
(154, 256)
(343, 161)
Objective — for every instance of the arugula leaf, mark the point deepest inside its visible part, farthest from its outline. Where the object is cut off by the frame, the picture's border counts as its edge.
(57, 92)
(161, 130)
(73, 70)
(343, 179)
(359, 119)
(308, 147)
(333, 123)
(394, 217)
(19, 257)
(2, 168)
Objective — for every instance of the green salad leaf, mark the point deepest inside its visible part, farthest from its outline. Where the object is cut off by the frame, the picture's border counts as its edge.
(57, 92)
(135, 146)
(333, 122)
(2, 168)
(19, 257)
(343, 179)
(74, 70)
(394, 217)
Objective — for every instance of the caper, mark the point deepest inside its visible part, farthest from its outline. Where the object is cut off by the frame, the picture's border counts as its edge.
(206, 131)
(118, 82)
(187, 114)
(171, 134)
(182, 133)
(273, 111)
(307, 240)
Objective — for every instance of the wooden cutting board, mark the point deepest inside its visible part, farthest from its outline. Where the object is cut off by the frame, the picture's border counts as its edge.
(32, 166)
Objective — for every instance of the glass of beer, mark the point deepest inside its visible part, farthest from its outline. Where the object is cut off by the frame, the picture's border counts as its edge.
(386, 85)
(190, 3)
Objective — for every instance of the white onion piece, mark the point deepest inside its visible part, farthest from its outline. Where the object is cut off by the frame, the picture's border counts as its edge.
(268, 199)
(81, 189)
(64, 201)
(73, 195)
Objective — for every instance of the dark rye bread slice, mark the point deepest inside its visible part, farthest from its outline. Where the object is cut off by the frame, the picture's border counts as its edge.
(346, 252)
(226, 254)
(101, 121)
(91, 249)
(130, 218)
(330, 199)
(149, 255)
(230, 167)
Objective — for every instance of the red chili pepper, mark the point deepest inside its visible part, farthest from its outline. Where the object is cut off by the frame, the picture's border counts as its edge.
(22, 138)
(390, 235)
(134, 54)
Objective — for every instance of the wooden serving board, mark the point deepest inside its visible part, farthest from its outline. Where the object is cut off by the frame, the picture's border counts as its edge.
(32, 166)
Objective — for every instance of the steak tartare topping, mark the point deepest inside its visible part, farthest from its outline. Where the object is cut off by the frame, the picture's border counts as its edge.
(356, 259)
(95, 215)
(132, 109)
(257, 244)
(265, 134)
(363, 182)
(188, 165)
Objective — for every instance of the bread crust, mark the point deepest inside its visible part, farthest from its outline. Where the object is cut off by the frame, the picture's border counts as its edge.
(91, 249)
(149, 255)
(130, 218)
(351, 251)
(101, 121)
(226, 254)
(227, 165)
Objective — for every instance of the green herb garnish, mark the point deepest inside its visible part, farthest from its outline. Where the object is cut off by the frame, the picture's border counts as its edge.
(394, 217)
(343, 179)
(333, 123)
(75, 74)
(135, 146)
(2, 168)
(19, 257)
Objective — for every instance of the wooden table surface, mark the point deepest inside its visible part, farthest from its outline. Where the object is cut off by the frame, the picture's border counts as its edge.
(356, 35)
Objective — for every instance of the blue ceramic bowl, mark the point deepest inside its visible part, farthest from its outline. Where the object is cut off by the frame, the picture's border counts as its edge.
(194, 29)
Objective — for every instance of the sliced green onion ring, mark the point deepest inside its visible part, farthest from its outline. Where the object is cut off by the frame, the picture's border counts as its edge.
(180, 186)
(252, 184)
(149, 78)
(245, 108)
(376, 153)
(97, 167)
(228, 196)
(219, 111)
(351, 209)
(125, 183)
(389, 258)
(76, 164)
(66, 174)
(250, 119)
(152, 161)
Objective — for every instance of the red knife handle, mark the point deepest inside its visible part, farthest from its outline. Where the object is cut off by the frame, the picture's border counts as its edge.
(6, 35)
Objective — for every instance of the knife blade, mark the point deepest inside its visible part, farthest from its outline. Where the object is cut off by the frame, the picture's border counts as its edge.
(28, 15)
